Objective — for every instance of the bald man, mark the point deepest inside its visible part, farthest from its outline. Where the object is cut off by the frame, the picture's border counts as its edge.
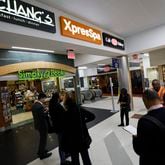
(149, 143)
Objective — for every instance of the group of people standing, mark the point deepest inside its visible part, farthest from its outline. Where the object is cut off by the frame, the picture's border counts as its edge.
(125, 100)
(69, 123)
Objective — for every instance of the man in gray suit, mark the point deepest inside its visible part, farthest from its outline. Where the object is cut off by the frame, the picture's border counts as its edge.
(39, 115)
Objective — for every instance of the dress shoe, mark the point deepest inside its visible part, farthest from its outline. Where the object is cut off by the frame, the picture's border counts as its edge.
(120, 125)
(46, 155)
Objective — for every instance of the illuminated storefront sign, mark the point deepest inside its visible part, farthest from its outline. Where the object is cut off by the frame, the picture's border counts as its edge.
(39, 74)
(113, 42)
(73, 29)
(21, 13)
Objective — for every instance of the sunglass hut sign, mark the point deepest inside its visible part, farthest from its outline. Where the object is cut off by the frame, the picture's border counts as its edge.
(79, 31)
(21, 13)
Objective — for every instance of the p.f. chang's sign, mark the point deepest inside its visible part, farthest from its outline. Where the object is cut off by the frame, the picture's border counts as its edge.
(73, 29)
(40, 74)
(21, 13)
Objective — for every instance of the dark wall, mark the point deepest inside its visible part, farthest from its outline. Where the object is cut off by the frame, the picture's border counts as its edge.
(13, 57)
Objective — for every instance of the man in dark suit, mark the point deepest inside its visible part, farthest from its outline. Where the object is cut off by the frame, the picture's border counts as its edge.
(40, 124)
(149, 143)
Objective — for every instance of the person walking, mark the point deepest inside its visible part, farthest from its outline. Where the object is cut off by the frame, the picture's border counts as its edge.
(149, 142)
(76, 139)
(124, 100)
(40, 123)
(56, 111)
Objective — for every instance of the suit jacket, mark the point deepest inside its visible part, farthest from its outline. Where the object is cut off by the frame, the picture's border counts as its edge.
(150, 143)
(40, 122)
(75, 136)
(56, 111)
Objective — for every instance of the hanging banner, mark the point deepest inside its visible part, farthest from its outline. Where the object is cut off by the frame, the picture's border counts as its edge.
(105, 69)
(24, 14)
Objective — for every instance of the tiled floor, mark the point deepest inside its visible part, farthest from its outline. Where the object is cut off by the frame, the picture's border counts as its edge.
(99, 152)
(19, 145)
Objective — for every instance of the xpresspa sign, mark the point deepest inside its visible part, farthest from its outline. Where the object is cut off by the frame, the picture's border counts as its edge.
(39, 74)
(21, 13)
(74, 29)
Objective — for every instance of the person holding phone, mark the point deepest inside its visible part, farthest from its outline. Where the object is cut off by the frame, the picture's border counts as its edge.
(124, 100)
(40, 123)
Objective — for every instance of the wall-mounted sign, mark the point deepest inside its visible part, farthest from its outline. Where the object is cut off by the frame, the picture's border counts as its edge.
(39, 74)
(113, 42)
(115, 62)
(73, 29)
(21, 13)
(105, 68)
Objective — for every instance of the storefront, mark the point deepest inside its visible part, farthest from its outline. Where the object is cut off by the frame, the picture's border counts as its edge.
(22, 78)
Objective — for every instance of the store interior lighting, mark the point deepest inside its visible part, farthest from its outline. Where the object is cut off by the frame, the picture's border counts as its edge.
(32, 49)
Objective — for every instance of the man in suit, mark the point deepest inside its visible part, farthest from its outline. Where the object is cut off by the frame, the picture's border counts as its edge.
(40, 124)
(149, 142)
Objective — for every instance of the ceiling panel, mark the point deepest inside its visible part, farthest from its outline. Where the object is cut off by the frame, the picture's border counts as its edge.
(123, 17)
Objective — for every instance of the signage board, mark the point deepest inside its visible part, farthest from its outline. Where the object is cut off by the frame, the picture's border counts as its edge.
(24, 14)
(71, 54)
(76, 30)
(115, 63)
(39, 74)
(105, 68)
(113, 42)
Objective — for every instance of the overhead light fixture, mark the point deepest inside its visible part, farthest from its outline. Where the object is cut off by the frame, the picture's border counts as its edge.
(82, 67)
(100, 64)
(32, 49)
(146, 54)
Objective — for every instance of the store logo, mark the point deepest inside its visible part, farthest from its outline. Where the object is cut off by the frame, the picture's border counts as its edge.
(80, 31)
(16, 11)
(40, 74)
(114, 42)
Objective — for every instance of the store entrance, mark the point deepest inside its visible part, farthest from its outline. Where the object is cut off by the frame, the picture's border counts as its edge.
(20, 95)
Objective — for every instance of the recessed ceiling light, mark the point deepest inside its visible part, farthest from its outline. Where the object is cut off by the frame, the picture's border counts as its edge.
(32, 49)
(82, 67)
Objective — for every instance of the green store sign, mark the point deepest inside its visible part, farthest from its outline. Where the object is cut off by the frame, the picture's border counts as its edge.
(39, 74)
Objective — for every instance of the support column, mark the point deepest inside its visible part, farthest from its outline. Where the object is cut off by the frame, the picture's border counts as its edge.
(124, 76)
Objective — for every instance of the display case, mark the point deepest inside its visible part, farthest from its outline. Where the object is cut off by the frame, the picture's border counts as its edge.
(5, 101)
(19, 101)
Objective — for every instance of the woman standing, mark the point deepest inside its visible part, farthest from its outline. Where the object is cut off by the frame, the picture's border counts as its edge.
(76, 138)
(124, 100)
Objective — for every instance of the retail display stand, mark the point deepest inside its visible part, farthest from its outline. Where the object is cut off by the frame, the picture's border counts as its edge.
(6, 117)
